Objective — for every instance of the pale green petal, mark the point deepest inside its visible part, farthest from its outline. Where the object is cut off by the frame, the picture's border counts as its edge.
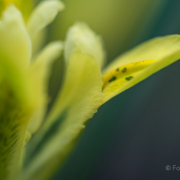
(78, 101)
(43, 15)
(20, 90)
(15, 111)
(14, 40)
(39, 41)
(13, 119)
(39, 72)
(139, 63)
(16, 99)
(22, 103)
(80, 36)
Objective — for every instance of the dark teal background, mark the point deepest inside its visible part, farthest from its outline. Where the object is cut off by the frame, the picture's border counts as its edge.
(137, 133)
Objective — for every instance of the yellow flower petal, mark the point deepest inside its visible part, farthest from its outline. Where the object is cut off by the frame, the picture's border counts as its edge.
(39, 73)
(22, 103)
(15, 111)
(80, 36)
(43, 15)
(78, 101)
(153, 49)
(38, 42)
(22, 95)
(16, 105)
(13, 119)
(14, 40)
(154, 54)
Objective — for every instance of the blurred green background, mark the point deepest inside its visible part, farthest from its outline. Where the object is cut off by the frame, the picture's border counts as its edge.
(137, 133)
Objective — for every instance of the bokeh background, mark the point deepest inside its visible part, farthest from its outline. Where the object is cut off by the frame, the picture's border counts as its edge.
(135, 135)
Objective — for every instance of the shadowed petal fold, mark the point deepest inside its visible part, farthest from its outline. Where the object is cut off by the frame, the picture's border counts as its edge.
(39, 73)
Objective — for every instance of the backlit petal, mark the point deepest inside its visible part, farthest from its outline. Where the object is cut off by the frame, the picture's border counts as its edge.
(77, 102)
(14, 40)
(150, 56)
(80, 36)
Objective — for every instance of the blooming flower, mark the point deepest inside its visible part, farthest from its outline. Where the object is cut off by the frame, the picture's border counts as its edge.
(23, 81)
(86, 86)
